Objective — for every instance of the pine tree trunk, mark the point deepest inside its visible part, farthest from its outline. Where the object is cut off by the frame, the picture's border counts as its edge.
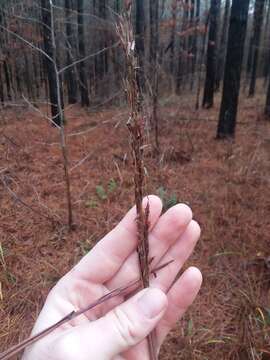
(154, 57)
(18, 79)
(209, 87)
(223, 42)
(81, 40)
(50, 68)
(35, 60)
(267, 50)
(267, 104)
(257, 26)
(195, 45)
(8, 81)
(117, 6)
(182, 50)
(172, 41)
(102, 59)
(233, 65)
(140, 34)
(70, 73)
(2, 98)
(27, 78)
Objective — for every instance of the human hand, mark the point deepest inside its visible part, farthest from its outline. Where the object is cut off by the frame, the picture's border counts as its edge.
(117, 329)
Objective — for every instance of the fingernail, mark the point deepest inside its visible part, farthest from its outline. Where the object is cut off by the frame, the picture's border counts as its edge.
(152, 303)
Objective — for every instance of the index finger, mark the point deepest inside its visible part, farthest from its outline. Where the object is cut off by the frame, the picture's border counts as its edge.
(106, 258)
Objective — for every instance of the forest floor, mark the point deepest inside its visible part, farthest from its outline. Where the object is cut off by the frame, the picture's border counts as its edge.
(227, 184)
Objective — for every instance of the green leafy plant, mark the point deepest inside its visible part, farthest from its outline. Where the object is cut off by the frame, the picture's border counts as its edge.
(101, 192)
(92, 204)
(112, 186)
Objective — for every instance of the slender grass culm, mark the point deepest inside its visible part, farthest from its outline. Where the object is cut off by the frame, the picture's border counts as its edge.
(135, 125)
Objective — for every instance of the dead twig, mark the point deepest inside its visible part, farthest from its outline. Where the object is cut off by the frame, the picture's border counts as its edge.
(22, 202)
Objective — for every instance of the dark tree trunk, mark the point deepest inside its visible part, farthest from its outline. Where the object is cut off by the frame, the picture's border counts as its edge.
(182, 49)
(233, 65)
(154, 58)
(209, 87)
(70, 73)
(257, 26)
(82, 73)
(195, 44)
(172, 41)
(223, 42)
(154, 33)
(102, 59)
(2, 98)
(117, 6)
(267, 50)
(27, 78)
(267, 103)
(18, 78)
(50, 66)
(8, 81)
(140, 32)
(201, 61)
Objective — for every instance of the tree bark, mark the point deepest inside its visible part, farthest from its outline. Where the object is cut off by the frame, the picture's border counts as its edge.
(257, 27)
(70, 73)
(209, 86)
(223, 42)
(154, 57)
(233, 65)
(102, 59)
(81, 40)
(140, 49)
(267, 50)
(267, 104)
(50, 68)
(172, 41)
(8, 81)
(182, 49)
(2, 97)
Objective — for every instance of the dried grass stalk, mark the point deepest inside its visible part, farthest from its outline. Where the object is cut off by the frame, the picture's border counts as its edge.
(136, 125)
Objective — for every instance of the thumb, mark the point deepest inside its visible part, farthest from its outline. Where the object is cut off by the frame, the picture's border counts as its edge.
(132, 321)
(122, 328)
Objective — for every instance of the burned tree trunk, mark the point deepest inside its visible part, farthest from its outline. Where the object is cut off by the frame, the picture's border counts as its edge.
(2, 98)
(172, 41)
(140, 50)
(81, 44)
(209, 87)
(154, 58)
(70, 72)
(223, 41)
(182, 49)
(194, 49)
(267, 104)
(257, 26)
(233, 66)
(8, 81)
(50, 67)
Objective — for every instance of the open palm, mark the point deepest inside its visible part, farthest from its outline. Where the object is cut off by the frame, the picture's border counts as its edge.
(117, 329)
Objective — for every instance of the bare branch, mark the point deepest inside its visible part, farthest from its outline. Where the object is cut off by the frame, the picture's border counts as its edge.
(88, 57)
(19, 200)
(26, 42)
(40, 112)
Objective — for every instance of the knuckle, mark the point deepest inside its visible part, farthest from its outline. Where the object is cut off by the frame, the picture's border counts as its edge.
(125, 327)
